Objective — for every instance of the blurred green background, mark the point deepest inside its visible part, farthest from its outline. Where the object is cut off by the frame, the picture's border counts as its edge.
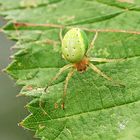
(11, 108)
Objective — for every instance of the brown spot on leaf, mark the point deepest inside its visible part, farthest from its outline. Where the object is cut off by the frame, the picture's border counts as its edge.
(17, 25)
(63, 106)
(29, 87)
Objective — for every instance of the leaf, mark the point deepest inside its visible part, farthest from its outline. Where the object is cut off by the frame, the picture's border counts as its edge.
(94, 107)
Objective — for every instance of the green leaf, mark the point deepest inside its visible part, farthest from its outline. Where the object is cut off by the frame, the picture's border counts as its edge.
(94, 107)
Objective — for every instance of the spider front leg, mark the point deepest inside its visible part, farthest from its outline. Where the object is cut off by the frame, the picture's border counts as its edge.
(51, 82)
(66, 85)
(58, 74)
(105, 60)
(92, 43)
(99, 59)
(61, 38)
(97, 70)
(60, 35)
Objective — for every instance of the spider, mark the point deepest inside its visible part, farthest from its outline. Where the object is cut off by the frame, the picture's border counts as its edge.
(75, 50)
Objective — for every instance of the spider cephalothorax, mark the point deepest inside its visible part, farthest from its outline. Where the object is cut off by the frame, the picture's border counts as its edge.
(75, 50)
(82, 65)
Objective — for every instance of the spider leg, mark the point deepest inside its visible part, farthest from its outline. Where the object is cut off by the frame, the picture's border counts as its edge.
(105, 60)
(58, 74)
(61, 38)
(50, 83)
(60, 35)
(66, 85)
(97, 70)
(92, 42)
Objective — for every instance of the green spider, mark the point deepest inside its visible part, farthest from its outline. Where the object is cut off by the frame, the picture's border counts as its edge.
(75, 49)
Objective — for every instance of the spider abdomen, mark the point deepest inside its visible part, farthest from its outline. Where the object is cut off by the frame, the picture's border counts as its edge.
(74, 45)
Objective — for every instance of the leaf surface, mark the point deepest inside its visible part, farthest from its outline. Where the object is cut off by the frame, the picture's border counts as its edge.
(94, 107)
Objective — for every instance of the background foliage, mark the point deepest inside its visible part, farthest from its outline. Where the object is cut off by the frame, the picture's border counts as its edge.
(95, 108)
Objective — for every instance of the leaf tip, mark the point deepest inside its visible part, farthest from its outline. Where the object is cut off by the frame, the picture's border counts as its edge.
(26, 106)
(4, 70)
(19, 95)
(20, 124)
(11, 57)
